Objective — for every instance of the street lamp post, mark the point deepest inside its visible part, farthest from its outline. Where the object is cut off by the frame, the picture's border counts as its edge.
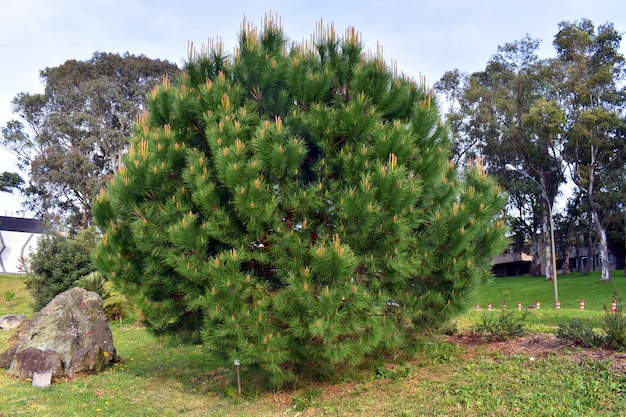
(510, 167)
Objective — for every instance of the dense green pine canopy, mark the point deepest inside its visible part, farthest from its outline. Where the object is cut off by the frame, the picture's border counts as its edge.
(295, 204)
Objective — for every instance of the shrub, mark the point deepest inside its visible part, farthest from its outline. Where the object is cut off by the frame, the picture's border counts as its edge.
(116, 305)
(613, 329)
(614, 325)
(579, 333)
(448, 328)
(57, 263)
(501, 326)
(93, 281)
(8, 297)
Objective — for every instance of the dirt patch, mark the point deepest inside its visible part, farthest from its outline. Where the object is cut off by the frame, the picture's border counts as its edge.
(538, 345)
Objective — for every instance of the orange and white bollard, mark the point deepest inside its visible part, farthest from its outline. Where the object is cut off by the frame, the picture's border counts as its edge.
(489, 307)
(614, 307)
(582, 304)
(538, 305)
(477, 306)
(519, 305)
(558, 304)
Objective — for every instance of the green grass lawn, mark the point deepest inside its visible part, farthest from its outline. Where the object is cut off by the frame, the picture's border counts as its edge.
(596, 294)
(572, 288)
(439, 379)
(20, 302)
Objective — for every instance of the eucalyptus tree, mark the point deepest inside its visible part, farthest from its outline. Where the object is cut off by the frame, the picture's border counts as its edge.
(592, 94)
(10, 181)
(69, 139)
(507, 114)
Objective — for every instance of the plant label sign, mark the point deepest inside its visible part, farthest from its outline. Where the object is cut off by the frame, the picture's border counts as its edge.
(42, 379)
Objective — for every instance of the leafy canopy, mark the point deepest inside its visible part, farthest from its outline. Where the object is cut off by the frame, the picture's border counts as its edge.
(70, 138)
(10, 181)
(558, 119)
(295, 204)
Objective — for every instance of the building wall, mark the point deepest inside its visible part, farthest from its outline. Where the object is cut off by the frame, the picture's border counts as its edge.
(514, 264)
(18, 238)
(14, 247)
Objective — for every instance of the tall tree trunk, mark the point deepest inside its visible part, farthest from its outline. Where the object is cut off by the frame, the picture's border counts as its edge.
(547, 244)
(547, 230)
(604, 246)
(597, 222)
(590, 251)
(535, 251)
(569, 239)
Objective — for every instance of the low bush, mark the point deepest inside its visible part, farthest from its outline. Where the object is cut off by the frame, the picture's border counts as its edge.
(8, 297)
(93, 281)
(612, 334)
(579, 333)
(501, 326)
(57, 263)
(615, 325)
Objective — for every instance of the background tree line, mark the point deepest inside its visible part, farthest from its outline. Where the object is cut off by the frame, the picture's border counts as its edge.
(561, 120)
(70, 138)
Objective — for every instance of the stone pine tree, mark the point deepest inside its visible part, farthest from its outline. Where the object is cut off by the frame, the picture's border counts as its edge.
(295, 204)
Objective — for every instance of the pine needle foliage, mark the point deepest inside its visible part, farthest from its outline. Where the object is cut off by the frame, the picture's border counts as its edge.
(295, 203)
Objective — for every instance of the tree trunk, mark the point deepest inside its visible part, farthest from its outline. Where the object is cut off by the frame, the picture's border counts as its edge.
(600, 229)
(535, 249)
(589, 261)
(568, 248)
(547, 244)
(604, 246)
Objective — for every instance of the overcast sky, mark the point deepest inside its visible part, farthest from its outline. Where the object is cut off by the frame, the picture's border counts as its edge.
(424, 37)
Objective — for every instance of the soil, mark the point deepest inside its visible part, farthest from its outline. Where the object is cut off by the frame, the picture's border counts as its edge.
(538, 345)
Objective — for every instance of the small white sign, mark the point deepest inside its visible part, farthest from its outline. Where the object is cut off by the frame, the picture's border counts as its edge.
(42, 379)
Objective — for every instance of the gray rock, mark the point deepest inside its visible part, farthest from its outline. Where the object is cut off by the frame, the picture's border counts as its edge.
(29, 361)
(6, 357)
(74, 327)
(11, 321)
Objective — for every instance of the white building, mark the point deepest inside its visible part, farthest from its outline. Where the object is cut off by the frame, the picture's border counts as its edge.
(18, 237)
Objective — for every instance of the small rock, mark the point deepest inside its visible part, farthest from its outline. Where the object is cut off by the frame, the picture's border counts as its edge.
(6, 357)
(11, 321)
